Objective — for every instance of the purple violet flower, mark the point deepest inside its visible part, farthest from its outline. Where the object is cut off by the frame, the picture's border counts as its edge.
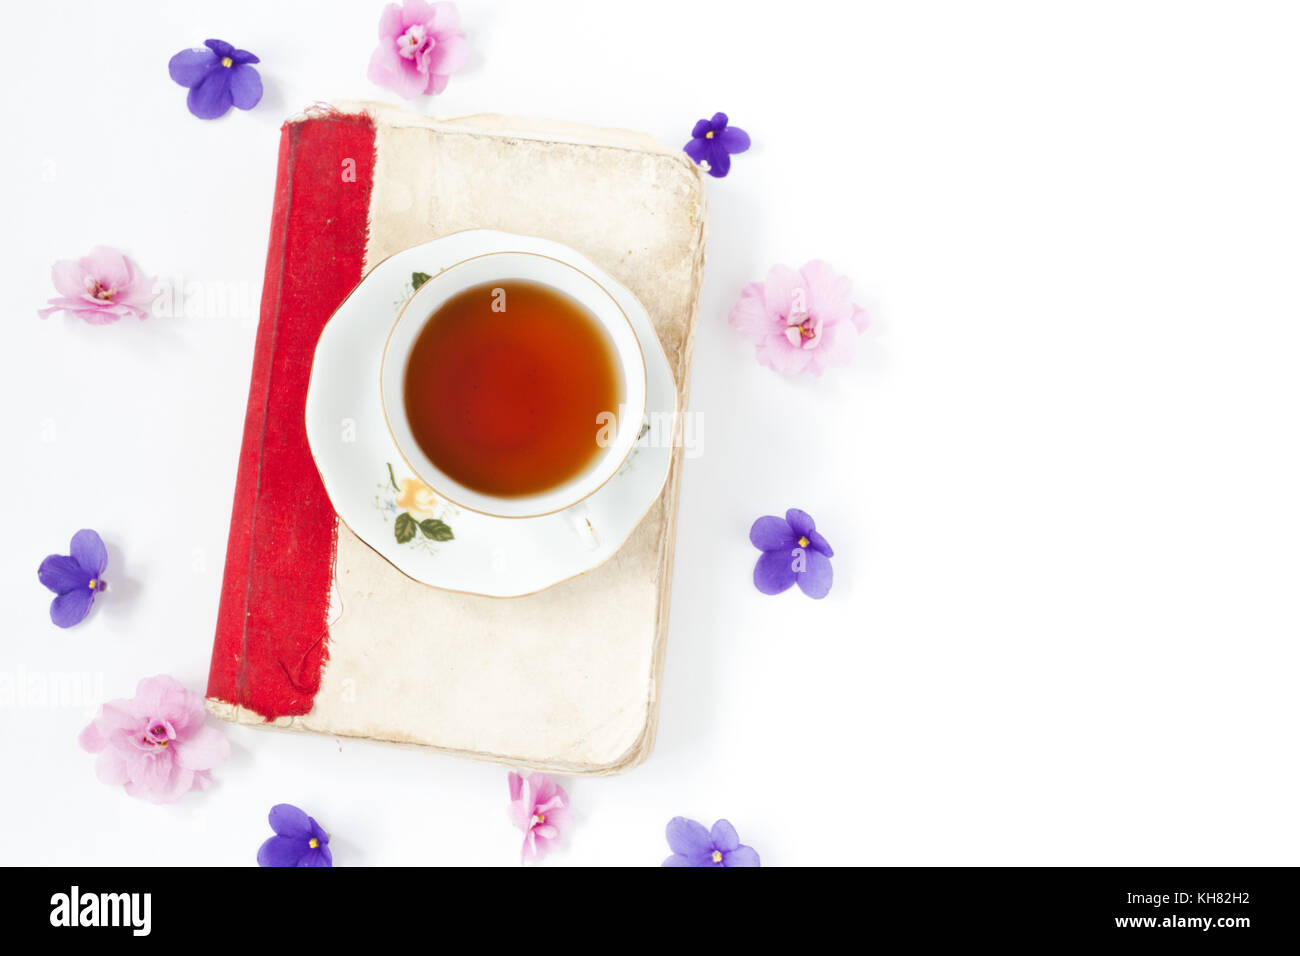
(218, 77)
(692, 845)
(793, 551)
(76, 578)
(713, 142)
(298, 841)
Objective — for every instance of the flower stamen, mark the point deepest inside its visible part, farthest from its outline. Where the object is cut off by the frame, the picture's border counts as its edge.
(717, 856)
(803, 541)
(314, 843)
(410, 43)
(227, 62)
(100, 291)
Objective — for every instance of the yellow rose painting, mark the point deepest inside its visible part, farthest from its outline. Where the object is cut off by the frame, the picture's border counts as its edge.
(416, 497)
(412, 504)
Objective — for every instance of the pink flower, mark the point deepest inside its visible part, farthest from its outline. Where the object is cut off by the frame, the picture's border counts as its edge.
(101, 288)
(540, 808)
(800, 321)
(420, 46)
(156, 745)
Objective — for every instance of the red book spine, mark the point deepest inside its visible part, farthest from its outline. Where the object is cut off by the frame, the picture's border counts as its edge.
(271, 639)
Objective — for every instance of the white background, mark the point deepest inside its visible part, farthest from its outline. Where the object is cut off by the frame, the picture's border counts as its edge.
(1061, 475)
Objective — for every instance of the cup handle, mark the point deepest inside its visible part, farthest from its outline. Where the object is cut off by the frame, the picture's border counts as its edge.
(580, 521)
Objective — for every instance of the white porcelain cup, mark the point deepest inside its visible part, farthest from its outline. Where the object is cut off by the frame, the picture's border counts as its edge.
(621, 433)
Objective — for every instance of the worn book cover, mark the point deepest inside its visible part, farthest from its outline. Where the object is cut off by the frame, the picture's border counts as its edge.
(317, 632)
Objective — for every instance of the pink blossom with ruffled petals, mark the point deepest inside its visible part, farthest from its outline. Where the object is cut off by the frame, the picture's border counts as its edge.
(420, 46)
(800, 321)
(540, 808)
(157, 745)
(101, 288)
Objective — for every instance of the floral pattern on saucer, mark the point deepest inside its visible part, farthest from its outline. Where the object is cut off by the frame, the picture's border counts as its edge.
(418, 516)
(409, 289)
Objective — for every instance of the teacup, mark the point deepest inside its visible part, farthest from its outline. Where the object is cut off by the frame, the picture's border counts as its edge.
(620, 427)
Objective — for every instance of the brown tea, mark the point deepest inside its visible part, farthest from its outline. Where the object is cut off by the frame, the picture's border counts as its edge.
(504, 385)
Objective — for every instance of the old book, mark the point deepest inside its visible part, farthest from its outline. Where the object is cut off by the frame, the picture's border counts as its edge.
(315, 631)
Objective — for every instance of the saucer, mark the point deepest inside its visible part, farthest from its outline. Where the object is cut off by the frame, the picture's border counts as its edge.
(422, 535)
